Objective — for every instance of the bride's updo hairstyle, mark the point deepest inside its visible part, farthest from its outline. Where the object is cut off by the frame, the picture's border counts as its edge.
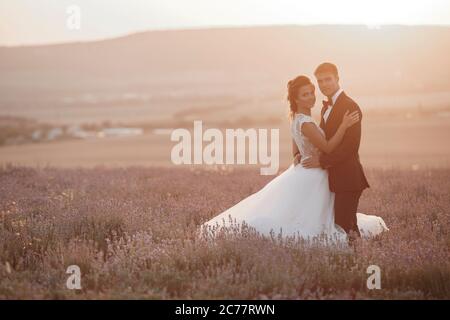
(293, 86)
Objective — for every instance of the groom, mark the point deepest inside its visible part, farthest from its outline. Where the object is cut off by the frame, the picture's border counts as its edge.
(345, 173)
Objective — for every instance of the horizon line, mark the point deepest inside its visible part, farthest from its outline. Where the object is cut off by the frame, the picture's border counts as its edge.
(221, 27)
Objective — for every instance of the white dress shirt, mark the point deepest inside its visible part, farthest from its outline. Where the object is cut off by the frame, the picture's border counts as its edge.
(333, 101)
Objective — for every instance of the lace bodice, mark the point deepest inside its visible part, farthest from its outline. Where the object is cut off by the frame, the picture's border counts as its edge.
(305, 146)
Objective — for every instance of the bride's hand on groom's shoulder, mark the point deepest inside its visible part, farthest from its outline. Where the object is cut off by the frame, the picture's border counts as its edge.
(350, 119)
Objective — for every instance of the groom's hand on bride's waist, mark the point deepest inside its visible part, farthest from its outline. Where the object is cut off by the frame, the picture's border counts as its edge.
(311, 162)
(297, 159)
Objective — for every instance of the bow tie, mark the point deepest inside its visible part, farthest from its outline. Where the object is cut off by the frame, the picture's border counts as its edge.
(327, 103)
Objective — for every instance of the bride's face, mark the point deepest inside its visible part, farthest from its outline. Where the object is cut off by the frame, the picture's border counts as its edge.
(306, 97)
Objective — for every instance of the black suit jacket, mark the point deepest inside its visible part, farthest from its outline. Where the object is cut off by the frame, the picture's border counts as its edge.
(345, 172)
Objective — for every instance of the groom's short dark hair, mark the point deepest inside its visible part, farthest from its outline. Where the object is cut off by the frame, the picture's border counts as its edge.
(326, 67)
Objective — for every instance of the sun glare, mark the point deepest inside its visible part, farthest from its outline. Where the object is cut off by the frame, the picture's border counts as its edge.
(370, 13)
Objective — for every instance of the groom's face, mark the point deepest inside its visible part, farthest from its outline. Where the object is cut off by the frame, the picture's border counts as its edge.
(328, 83)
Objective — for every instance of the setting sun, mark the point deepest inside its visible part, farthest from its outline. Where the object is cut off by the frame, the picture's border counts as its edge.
(369, 12)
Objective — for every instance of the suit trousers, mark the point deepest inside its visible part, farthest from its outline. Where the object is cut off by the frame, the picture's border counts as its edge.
(345, 207)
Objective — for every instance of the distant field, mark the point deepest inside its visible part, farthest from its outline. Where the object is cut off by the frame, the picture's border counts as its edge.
(131, 231)
(401, 139)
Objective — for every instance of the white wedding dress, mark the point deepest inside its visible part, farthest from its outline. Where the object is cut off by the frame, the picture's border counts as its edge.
(298, 203)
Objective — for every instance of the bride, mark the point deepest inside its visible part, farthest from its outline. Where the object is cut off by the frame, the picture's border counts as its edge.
(298, 202)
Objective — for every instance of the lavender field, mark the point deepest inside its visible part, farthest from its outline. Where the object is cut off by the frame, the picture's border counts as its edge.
(132, 232)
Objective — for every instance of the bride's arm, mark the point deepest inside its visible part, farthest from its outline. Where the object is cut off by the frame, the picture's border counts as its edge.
(311, 131)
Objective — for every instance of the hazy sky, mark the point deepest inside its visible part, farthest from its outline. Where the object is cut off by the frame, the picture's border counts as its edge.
(45, 21)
